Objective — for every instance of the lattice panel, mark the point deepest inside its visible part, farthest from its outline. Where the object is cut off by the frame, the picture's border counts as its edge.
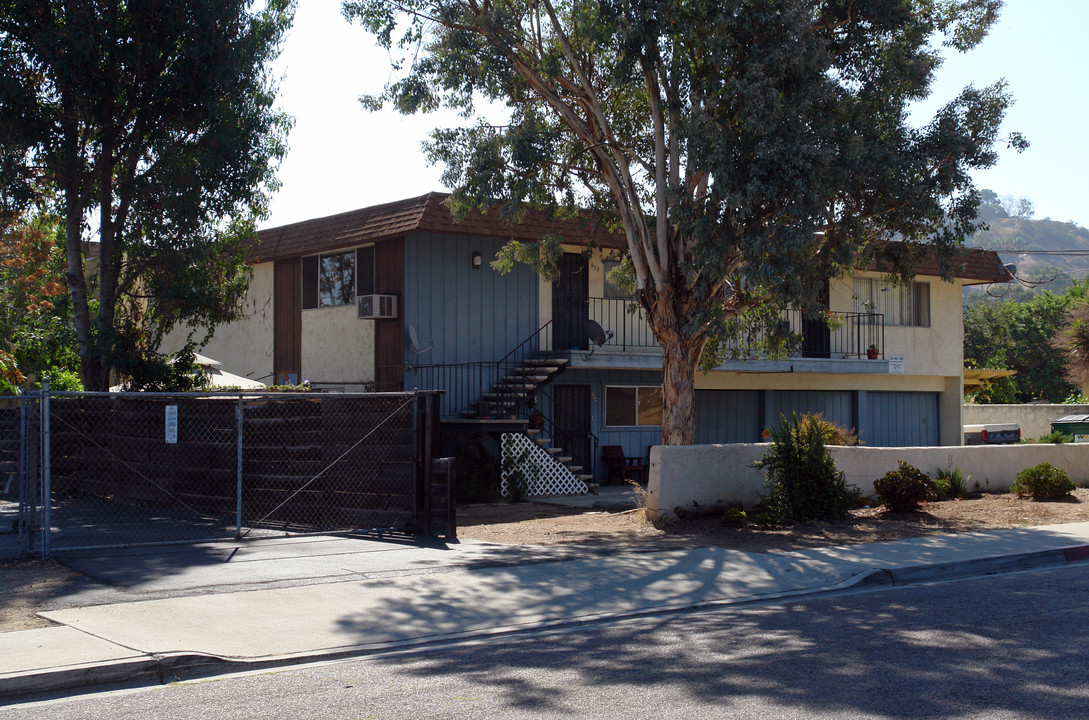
(544, 474)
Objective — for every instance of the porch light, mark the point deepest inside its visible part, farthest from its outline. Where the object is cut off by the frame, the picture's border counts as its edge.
(478, 261)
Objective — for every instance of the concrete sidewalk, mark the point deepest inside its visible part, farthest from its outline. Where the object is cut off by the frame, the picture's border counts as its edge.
(448, 595)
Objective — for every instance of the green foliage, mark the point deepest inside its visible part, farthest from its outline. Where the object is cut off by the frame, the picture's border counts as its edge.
(951, 483)
(34, 308)
(1016, 336)
(1075, 399)
(1043, 482)
(902, 490)
(1072, 338)
(734, 516)
(801, 475)
(1054, 437)
(157, 121)
(748, 149)
(518, 467)
(478, 475)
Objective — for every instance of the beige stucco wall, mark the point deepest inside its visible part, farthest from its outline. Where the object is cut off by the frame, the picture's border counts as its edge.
(243, 347)
(926, 350)
(337, 347)
(1035, 420)
(707, 474)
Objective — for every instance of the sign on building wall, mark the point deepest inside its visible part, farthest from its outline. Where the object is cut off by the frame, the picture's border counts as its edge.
(896, 364)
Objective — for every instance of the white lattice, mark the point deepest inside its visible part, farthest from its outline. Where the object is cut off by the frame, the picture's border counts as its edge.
(544, 474)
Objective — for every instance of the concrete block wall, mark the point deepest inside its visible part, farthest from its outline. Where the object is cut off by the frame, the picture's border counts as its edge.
(707, 474)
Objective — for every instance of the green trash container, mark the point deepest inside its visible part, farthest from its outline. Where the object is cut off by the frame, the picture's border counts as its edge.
(1076, 425)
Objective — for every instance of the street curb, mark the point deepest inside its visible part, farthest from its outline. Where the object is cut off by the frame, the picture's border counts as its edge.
(987, 566)
(187, 666)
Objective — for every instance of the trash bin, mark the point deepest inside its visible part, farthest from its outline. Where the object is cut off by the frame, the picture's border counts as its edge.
(1076, 425)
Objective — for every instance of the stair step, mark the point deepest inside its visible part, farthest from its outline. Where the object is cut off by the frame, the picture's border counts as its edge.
(574, 468)
(543, 440)
(531, 431)
(563, 459)
(553, 451)
(585, 478)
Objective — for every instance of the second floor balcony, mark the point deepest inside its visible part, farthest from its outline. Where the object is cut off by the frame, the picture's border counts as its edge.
(834, 336)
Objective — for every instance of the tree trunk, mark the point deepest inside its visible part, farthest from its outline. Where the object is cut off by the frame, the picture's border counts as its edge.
(681, 351)
(679, 360)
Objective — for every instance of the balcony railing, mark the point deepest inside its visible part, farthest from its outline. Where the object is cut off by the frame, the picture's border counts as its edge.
(838, 335)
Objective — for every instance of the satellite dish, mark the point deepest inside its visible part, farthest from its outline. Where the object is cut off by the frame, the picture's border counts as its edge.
(415, 341)
(1010, 269)
(596, 333)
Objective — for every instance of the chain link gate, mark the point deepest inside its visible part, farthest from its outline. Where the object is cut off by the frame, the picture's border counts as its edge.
(126, 469)
(20, 463)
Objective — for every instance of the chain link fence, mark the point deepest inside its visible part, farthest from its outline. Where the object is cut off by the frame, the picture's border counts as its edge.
(99, 470)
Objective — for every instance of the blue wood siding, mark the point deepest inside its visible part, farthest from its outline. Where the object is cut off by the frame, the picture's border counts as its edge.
(834, 405)
(727, 416)
(470, 315)
(901, 419)
(634, 439)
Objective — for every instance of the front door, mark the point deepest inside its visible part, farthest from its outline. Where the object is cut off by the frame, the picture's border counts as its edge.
(571, 303)
(571, 422)
(816, 335)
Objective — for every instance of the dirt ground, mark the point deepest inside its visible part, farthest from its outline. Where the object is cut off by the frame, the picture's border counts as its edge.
(529, 523)
(26, 587)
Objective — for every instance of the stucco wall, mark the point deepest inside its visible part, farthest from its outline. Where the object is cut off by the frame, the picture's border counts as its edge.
(337, 347)
(243, 347)
(1035, 420)
(709, 474)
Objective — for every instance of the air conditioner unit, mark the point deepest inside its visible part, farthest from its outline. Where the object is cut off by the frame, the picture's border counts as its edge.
(377, 306)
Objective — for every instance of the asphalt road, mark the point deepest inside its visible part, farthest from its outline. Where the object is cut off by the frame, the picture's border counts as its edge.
(1011, 646)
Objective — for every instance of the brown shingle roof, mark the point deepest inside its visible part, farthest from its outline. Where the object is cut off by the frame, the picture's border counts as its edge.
(429, 213)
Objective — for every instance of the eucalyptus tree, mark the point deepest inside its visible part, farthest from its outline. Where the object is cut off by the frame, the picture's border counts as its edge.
(747, 149)
(150, 128)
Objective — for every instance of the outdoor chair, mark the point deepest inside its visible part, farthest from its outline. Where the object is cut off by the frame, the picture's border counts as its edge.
(622, 468)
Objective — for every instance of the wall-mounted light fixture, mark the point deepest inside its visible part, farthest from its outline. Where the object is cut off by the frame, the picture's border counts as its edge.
(478, 261)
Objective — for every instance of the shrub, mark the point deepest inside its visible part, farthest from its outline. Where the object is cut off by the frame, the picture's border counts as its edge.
(1054, 437)
(1043, 481)
(951, 483)
(477, 472)
(902, 490)
(734, 516)
(799, 471)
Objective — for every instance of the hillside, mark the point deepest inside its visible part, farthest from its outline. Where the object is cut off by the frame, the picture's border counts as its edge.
(1013, 231)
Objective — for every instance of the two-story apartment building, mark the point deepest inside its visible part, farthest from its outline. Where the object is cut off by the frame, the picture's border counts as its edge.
(398, 296)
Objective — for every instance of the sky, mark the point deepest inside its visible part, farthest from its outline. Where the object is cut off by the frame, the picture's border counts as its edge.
(342, 157)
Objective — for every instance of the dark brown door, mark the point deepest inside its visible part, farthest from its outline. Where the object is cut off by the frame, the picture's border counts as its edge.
(389, 335)
(571, 420)
(286, 322)
(816, 335)
(571, 303)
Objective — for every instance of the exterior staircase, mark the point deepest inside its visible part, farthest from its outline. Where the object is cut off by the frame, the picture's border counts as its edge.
(514, 389)
(512, 393)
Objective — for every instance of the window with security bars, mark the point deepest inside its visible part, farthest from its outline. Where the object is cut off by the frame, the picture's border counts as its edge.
(901, 303)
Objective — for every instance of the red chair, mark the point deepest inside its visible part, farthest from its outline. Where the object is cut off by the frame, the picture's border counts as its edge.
(622, 468)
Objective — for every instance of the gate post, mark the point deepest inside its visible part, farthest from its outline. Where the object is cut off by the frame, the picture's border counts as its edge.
(238, 471)
(47, 493)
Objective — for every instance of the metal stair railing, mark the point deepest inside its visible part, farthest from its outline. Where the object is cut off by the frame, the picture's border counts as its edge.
(467, 383)
(590, 468)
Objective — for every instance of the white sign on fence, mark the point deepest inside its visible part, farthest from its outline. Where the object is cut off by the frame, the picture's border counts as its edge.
(172, 424)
